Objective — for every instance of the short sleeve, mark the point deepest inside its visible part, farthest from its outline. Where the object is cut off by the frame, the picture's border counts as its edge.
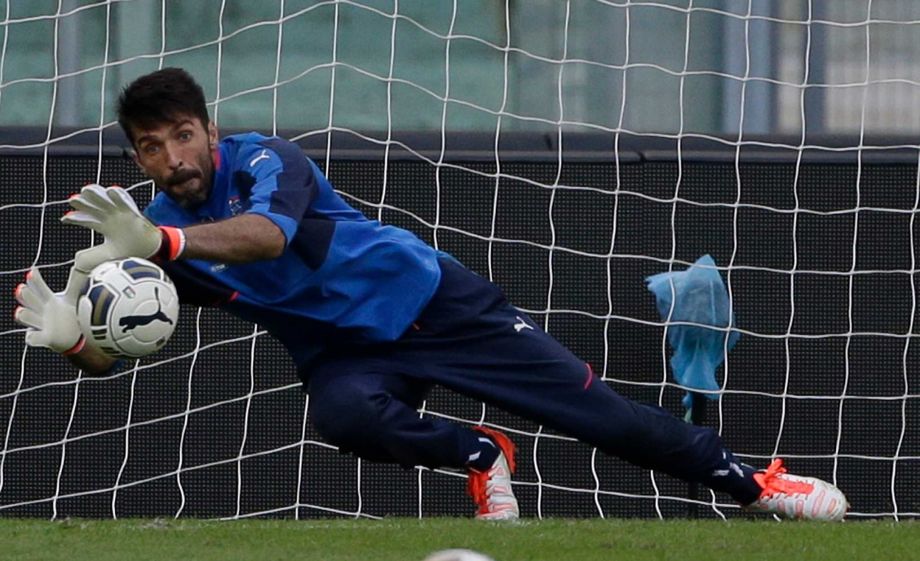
(282, 181)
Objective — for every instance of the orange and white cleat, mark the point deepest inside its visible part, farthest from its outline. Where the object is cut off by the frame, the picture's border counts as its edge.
(491, 489)
(802, 498)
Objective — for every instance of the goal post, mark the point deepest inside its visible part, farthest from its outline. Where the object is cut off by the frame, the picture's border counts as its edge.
(565, 150)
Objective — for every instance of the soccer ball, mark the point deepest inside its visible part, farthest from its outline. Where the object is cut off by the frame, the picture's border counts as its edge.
(457, 555)
(128, 308)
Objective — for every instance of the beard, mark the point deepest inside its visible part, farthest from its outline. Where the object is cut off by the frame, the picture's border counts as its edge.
(190, 187)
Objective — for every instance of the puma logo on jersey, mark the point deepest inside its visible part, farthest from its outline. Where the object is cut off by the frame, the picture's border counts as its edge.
(733, 467)
(235, 205)
(263, 156)
(521, 324)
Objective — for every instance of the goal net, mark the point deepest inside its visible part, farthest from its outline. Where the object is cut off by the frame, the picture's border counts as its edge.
(565, 150)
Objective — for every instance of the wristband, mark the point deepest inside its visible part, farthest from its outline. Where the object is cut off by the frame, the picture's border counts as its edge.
(173, 243)
(78, 346)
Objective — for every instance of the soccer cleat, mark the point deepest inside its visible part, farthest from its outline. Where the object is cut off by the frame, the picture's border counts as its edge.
(491, 489)
(803, 498)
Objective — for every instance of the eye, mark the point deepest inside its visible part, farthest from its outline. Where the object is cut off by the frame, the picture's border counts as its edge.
(185, 136)
(150, 149)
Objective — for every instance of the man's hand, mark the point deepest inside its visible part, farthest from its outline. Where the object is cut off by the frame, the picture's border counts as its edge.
(51, 317)
(112, 212)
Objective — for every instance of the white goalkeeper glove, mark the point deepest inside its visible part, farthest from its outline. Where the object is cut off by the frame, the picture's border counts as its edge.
(112, 212)
(51, 317)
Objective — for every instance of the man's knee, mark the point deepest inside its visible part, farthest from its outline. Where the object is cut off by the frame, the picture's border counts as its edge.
(350, 417)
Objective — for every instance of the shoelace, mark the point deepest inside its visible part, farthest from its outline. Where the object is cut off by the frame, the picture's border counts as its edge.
(476, 487)
(772, 484)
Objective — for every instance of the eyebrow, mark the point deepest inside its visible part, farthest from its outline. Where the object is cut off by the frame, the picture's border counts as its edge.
(148, 137)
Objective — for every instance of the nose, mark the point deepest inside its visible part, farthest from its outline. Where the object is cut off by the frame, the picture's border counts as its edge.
(173, 160)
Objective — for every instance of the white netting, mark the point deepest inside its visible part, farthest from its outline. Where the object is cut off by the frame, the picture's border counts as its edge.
(481, 119)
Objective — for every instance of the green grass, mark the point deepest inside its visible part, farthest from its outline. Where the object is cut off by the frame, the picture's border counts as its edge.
(401, 539)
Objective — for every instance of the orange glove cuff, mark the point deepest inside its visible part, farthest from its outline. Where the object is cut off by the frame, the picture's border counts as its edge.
(173, 243)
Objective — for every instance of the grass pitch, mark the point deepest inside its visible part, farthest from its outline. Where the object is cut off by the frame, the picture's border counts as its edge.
(403, 539)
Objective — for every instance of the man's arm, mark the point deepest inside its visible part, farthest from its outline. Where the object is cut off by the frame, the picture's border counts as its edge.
(91, 360)
(113, 213)
(241, 239)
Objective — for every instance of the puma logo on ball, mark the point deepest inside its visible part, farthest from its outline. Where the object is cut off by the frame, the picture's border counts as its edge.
(128, 323)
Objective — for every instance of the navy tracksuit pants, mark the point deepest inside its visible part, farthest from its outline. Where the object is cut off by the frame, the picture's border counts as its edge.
(363, 398)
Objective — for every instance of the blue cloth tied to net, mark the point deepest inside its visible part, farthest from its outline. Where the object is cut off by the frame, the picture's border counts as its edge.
(698, 296)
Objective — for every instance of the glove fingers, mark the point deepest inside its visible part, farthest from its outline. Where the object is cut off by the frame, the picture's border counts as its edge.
(26, 296)
(84, 219)
(36, 282)
(123, 200)
(18, 294)
(86, 260)
(28, 318)
(96, 195)
(36, 338)
(83, 205)
(76, 281)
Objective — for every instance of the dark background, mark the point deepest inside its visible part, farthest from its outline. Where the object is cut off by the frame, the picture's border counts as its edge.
(825, 373)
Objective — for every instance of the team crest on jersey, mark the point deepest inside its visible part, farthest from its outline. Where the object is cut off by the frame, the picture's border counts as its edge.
(235, 205)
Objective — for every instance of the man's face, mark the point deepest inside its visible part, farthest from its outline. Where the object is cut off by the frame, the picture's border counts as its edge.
(178, 156)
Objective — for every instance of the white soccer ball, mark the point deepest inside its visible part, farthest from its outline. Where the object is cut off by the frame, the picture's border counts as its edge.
(129, 308)
(457, 555)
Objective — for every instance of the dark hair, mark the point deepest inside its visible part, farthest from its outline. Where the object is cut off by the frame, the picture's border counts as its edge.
(160, 97)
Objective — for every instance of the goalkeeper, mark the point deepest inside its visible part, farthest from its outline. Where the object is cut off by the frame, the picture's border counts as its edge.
(372, 316)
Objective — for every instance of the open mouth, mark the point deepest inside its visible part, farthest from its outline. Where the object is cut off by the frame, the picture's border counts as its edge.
(182, 180)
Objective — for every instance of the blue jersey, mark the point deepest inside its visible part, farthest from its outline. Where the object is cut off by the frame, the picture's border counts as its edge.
(341, 276)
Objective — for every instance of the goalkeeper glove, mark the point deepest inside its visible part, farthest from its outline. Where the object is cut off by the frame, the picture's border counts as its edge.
(112, 212)
(51, 317)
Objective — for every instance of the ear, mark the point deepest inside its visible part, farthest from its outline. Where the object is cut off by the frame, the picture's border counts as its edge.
(212, 135)
(134, 158)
